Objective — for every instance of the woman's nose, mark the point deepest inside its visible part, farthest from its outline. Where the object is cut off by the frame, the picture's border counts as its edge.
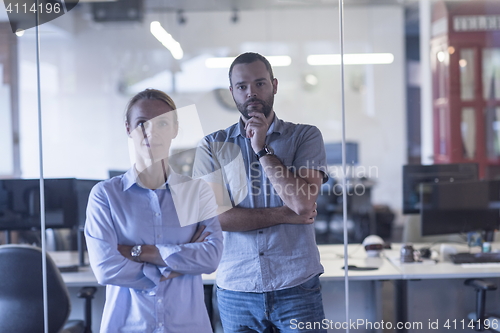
(146, 129)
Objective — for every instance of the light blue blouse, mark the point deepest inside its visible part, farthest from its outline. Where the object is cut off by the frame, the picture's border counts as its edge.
(122, 212)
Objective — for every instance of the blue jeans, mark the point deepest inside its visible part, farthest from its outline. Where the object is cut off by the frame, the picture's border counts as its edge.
(297, 309)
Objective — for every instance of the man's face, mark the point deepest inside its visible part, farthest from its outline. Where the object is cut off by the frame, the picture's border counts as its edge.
(252, 88)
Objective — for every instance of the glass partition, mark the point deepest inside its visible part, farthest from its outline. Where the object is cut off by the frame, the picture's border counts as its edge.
(493, 132)
(96, 56)
(467, 73)
(468, 130)
(491, 73)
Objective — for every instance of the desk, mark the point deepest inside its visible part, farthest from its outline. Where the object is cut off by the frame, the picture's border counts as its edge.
(366, 287)
(437, 291)
(428, 291)
(331, 258)
(86, 278)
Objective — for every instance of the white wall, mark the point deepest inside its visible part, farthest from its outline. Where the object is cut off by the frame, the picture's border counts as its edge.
(82, 69)
(6, 162)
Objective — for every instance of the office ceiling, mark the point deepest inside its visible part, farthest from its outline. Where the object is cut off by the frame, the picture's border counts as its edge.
(155, 6)
(229, 5)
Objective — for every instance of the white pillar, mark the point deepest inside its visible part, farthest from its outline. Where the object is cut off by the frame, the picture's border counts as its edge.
(426, 123)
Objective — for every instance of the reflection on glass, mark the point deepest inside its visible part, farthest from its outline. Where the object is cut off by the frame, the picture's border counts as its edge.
(493, 132)
(468, 131)
(467, 82)
(442, 131)
(6, 162)
(491, 73)
(442, 71)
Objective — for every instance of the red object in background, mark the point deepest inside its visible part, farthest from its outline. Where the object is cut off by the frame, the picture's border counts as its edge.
(465, 60)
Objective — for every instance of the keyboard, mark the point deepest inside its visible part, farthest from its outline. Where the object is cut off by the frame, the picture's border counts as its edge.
(475, 258)
(68, 269)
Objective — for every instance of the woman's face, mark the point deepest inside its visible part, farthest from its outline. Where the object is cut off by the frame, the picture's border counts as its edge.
(152, 126)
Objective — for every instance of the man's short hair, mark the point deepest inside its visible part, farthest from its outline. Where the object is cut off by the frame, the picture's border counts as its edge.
(248, 58)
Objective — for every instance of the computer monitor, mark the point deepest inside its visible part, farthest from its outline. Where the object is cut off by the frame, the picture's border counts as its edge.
(415, 174)
(65, 202)
(459, 207)
(114, 173)
(82, 191)
(334, 153)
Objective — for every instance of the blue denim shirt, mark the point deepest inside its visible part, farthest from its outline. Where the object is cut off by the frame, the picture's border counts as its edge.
(277, 257)
(122, 212)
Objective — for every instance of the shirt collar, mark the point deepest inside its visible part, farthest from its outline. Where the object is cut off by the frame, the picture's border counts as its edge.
(131, 177)
(275, 127)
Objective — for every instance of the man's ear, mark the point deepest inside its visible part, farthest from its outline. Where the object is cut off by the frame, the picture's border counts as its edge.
(231, 89)
(275, 85)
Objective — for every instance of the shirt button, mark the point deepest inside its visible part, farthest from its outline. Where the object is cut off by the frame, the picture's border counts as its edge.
(159, 301)
(160, 324)
(157, 214)
(158, 236)
(261, 254)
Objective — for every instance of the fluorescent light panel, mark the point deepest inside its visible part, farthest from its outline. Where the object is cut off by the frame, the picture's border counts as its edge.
(225, 62)
(167, 40)
(351, 59)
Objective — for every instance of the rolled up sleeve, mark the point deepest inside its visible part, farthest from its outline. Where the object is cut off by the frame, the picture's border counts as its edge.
(196, 258)
(108, 265)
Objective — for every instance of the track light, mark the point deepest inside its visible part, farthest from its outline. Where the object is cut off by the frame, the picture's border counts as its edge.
(235, 17)
(181, 19)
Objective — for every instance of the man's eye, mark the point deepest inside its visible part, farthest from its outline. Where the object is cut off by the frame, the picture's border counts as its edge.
(260, 84)
(241, 87)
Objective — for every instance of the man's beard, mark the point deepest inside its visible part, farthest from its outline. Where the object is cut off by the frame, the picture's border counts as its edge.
(267, 106)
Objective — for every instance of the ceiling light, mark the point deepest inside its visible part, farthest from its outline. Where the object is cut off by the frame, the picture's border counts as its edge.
(19, 32)
(351, 59)
(225, 62)
(167, 40)
(311, 79)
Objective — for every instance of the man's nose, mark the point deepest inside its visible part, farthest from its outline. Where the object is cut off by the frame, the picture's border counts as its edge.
(251, 92)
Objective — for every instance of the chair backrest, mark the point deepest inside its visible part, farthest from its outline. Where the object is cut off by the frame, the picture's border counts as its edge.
(21, 295)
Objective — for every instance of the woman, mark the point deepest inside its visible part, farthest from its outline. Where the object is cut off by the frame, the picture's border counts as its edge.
(151, 233)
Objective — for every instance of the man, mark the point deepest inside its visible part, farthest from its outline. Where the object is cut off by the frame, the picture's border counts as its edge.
(268, 277)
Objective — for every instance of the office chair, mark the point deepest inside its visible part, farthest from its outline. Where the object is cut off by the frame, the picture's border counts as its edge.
(480, 317)
(21, 295)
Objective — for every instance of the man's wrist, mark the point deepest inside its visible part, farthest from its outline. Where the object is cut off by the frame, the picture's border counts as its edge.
(265, 151)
